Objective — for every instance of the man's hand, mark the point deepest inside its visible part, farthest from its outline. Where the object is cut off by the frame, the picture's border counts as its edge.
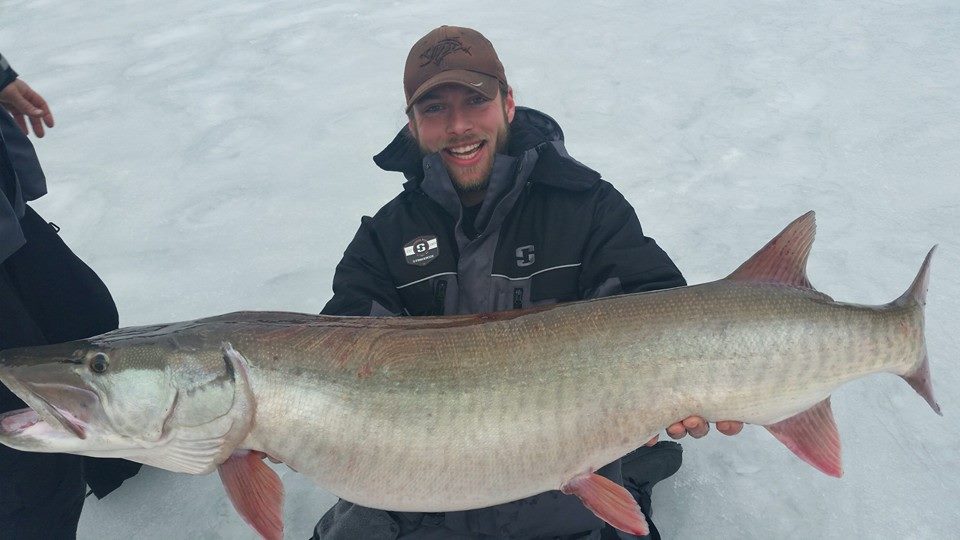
(698, 427)
(22, 102)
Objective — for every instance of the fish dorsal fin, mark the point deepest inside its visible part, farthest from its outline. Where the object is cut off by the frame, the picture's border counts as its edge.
(784, 259)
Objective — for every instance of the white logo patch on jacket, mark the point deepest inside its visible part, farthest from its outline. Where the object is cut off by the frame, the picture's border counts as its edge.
(421, 250)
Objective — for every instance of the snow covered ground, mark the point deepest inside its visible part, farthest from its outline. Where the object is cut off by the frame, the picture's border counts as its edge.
(214, 156)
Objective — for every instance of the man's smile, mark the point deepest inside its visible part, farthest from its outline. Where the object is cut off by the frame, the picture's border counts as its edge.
(465, 154)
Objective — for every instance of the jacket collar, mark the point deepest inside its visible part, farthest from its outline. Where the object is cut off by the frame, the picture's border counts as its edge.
(531, 132)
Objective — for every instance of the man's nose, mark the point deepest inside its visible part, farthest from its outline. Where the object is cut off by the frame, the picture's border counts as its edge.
(458, 123)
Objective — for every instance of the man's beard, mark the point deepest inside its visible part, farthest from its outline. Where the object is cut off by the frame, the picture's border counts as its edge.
(485, 168)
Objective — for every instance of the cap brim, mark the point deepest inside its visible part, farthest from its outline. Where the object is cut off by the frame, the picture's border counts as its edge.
(480, 83)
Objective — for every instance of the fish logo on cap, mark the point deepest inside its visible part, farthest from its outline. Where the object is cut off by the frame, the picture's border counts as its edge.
(441, 49)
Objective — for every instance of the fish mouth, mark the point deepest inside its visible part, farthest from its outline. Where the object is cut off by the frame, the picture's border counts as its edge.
(43, 417)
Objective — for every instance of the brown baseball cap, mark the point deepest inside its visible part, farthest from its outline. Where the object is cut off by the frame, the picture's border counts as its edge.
(452, 55)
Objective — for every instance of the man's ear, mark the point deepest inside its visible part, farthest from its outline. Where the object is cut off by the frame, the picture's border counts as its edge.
(412, 125)
(509, 106)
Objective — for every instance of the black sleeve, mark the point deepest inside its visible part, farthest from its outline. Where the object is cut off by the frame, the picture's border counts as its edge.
(361, 285)
(7, 74)
(618, 258)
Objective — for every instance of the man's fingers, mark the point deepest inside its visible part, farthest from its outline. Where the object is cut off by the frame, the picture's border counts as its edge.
(696, 426)
(37, 124)
(20, 99)
(652, 441)
(729, 427)
(21, 104)
(40, 104)
(676, 431)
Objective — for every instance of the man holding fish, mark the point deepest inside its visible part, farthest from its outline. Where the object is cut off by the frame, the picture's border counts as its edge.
(495, 215)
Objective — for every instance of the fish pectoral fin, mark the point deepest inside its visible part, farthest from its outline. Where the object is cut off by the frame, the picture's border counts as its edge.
(812, 435)
(610, 501)
(255, 491)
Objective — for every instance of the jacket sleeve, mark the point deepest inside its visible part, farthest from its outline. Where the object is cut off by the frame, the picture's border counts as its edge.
(618, 258)
(7, 74)
(361, 284)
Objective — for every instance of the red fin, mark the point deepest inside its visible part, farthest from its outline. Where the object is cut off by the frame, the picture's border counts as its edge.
(812, 435)
(610, 501)
(255, 491)
(783, 259)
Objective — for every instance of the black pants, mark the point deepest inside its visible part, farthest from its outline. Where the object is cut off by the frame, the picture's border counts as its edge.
(48, 295)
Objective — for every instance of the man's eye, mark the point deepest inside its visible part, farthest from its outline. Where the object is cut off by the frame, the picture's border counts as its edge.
(478, 100)
(431, 109)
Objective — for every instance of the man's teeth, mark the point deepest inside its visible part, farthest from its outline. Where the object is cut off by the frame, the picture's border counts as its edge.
(465, 151)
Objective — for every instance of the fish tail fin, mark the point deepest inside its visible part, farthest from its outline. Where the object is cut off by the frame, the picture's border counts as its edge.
(919, 377)
(916, 294)
(919, 380)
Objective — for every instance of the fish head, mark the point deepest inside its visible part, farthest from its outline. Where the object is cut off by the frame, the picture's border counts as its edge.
(152, 400)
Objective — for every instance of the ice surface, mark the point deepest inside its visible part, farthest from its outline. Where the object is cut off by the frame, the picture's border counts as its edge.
(212, 156)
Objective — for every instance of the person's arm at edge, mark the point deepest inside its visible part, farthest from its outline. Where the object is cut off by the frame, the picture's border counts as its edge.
(22, 102)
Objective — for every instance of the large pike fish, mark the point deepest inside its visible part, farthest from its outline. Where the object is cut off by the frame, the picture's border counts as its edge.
(452, 413)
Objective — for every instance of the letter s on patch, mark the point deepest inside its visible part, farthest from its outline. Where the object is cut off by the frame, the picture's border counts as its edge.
(525, 256)
(422, 250)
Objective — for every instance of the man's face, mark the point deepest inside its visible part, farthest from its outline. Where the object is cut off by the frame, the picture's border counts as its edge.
(467, 130)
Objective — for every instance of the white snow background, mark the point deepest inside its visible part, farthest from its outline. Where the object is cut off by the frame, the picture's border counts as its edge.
(216, 156)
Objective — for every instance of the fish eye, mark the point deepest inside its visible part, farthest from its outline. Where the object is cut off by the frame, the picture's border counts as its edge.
(99, 363)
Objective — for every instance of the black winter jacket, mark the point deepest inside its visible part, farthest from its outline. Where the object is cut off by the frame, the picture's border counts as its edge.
(550, 230)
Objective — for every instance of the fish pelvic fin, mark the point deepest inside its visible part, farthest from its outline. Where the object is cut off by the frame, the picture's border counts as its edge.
(609, 501)
(255, 491)
(784, 259)
(916, 296)
(812, 435)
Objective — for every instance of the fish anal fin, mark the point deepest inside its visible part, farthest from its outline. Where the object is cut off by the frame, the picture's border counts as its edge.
(610, 502)
(812, 435)
(784, 259)
(255, 491)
